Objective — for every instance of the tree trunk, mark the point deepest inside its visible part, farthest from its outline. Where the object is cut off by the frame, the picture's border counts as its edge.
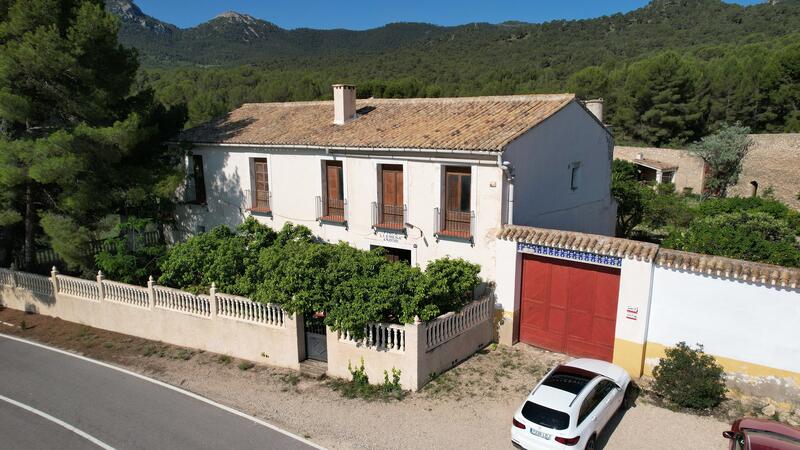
(29, 225)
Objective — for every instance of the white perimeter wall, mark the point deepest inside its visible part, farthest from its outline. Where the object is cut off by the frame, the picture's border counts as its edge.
(541, 159)
(732, 319)
(295, 179)
(277, 346)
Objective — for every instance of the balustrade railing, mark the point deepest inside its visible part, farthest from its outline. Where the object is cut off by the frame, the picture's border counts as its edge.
(389, 217)
(34, 283)
(242, 308)
(331, 209)
(452, 324)
(181, 301)
(78, 287)
(125, 293)
(381, 336)
(454, 224)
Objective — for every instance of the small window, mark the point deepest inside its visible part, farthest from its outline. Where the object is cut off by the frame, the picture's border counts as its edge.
(199, 179)
(458, 202)
(261, 198)
(667, 177)
(544, 416)
(334, 200)
(574, 175)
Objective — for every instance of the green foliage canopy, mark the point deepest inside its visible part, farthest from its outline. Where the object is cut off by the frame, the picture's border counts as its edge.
(353, 287)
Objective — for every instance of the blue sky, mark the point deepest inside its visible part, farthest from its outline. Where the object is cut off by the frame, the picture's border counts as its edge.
(369, 14)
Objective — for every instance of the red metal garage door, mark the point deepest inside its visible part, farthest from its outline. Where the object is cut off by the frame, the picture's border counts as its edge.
(568, 307)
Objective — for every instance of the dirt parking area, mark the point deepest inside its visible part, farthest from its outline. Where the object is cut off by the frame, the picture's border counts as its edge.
(468, 407)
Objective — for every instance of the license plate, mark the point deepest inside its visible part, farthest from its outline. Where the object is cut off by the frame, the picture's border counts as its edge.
(540, 434)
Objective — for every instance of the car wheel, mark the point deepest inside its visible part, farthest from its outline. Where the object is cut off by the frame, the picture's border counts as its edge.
(629, 399)
(591, 444)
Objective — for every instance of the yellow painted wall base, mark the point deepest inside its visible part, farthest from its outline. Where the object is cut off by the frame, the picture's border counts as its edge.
(655, 351)
(630, 356)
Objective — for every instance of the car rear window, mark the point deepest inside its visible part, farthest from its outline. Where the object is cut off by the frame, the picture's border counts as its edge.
(544, 416)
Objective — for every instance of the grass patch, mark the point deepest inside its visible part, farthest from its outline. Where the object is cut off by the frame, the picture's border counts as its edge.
(359, 386)
(290, 378)
(224, 359)
(245, 365)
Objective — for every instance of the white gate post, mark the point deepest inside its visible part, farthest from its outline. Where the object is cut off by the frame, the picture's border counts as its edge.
(100, 289)
(212, 300)
(151, 293)
(54, 280)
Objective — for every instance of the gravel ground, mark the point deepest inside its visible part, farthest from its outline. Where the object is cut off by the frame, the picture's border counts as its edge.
(468, 407)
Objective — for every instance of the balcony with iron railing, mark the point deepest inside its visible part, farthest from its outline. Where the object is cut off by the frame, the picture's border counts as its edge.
(332, 210)
(454, 224)
(389, 217)
(261, 203)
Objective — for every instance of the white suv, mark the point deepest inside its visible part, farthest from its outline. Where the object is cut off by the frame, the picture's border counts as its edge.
(571, 405)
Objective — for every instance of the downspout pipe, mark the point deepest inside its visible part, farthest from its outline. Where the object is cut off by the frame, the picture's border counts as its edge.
(505, 166)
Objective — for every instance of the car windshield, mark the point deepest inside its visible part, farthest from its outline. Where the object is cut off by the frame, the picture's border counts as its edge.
(544, 416)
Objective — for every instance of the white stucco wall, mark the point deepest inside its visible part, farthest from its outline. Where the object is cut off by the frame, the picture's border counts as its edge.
(732, 319)
(296, 179)
(541, 160)
(277, 346)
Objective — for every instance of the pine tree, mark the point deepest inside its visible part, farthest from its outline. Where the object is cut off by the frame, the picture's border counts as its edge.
(664, 102)
(77, 145)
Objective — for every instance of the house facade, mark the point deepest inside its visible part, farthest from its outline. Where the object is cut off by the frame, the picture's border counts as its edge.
(423, 178)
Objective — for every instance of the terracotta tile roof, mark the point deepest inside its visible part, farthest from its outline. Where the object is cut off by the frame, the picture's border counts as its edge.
(730, 268)
(751, 272)
(570, 240)
(470, 123)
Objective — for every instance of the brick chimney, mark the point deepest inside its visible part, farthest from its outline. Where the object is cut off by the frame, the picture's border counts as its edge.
(344, 103)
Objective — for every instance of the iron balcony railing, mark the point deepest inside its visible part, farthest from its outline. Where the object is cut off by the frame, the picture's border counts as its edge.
(261, 202)
(331, 209)
(454, 223)
(389, 217)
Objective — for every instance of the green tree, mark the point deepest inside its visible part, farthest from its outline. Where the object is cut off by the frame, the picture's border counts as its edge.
(75, 144)
(723, 153)
(750, 235)
(663, 102)
(631, 195)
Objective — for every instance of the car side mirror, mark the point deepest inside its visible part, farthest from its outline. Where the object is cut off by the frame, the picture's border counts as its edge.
(730, 434)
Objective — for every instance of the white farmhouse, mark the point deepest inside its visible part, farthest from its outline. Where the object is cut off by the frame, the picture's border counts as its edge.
(424, 178)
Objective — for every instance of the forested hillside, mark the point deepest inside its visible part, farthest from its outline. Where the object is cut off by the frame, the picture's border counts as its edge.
(670, 72)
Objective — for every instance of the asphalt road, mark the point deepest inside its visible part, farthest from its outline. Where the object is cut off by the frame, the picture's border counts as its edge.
(44, 393)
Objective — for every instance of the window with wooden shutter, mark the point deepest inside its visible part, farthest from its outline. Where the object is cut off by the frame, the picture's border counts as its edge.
(391, 209)
(261, 197)
(334, 202)
(458, 202)
(199, 179)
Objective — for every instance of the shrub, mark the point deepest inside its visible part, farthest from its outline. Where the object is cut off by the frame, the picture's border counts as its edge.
(122, 262)
(245, 365)
(689, 377)
(750, 235)
(359, 387)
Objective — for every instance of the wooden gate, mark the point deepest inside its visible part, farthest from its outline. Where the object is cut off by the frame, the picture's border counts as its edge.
(569, 307)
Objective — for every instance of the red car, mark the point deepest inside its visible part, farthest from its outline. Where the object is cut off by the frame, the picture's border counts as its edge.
(762, 434)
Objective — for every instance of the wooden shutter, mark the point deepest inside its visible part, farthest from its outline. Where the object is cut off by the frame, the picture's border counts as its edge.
(261, 185)
(199, 179)
(457, 188)
(392, 212)
(392, 176)
(457, 215)
(335, 183)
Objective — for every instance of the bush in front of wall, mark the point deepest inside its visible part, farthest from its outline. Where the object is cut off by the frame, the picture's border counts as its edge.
(689, 377)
